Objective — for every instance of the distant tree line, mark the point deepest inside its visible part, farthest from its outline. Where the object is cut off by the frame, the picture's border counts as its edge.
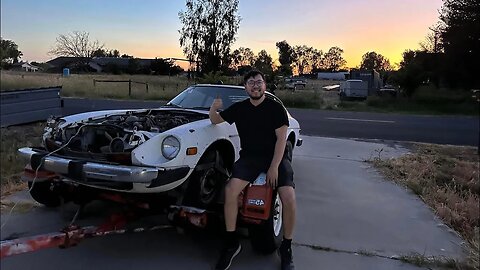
(449, 55)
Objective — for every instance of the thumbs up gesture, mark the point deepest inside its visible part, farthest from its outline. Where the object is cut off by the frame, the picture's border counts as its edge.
(217, 103)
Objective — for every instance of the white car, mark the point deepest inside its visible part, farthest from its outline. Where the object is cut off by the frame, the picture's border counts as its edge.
(172, 152)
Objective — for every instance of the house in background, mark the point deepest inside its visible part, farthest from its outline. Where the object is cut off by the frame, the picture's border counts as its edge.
(98, 64)
(58, 64)
(24, 66)
(337, 76)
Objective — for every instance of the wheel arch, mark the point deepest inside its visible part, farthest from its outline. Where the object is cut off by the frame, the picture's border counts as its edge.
(291, 138)
(225, 149)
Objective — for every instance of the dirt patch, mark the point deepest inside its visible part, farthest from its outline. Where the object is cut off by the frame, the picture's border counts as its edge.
(12, 165)
(447, 179)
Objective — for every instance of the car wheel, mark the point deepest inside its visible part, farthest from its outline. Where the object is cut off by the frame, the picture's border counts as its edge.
(207, 181)
(267, 237)
(289, 151)
(43, 193)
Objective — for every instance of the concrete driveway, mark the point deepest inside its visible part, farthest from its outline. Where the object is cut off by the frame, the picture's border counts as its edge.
(349, 217)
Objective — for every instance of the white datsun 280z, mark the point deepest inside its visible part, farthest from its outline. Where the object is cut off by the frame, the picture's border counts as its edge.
(173, 152)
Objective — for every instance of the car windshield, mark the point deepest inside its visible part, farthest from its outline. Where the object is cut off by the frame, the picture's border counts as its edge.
(201, 97)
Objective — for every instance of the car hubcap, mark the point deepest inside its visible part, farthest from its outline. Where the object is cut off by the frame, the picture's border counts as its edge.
(277, 216)
(208, 185)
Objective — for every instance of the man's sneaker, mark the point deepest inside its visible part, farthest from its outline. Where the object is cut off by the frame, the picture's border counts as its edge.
(226, 257)
(286, 258)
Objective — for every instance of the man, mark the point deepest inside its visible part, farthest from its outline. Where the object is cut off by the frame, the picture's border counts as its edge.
(262, 127)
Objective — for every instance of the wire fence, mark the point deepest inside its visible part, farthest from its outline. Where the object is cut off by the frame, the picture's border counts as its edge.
(95, 81)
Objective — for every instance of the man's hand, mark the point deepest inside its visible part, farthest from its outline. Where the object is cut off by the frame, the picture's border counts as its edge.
(217, 104)
(215, 117)
(272, 177)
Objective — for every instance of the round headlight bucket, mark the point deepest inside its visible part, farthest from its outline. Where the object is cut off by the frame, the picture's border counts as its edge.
(170, 147)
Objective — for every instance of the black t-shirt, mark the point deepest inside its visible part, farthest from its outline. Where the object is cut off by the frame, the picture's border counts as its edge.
(256, 126)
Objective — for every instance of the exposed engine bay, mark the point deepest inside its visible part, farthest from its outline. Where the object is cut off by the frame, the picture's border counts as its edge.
(119, 133)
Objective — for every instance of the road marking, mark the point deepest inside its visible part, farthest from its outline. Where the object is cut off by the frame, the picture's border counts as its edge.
(360, 120)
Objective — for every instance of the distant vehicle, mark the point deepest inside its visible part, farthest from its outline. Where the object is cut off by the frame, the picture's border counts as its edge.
(387, 91)
(295, 83)
(353, 89)
(372, 77)
(333, 87)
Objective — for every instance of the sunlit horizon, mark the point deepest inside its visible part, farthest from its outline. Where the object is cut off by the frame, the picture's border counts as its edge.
(149, 29)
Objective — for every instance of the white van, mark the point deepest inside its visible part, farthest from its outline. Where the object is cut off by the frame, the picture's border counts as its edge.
(353, 89)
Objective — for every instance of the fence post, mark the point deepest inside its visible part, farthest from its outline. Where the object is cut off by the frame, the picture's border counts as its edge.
(129, 88)
(94, 83)
(146, 86)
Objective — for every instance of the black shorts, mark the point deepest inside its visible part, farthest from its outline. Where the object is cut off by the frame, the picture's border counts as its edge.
(248, 169)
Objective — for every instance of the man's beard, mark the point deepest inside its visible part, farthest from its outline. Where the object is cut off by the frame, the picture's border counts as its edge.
(256, 98)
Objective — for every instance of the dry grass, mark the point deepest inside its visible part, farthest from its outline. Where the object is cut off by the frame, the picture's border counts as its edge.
(447, 179)
(312, 96)
(81, 85)
(11, 166)
(159, 87)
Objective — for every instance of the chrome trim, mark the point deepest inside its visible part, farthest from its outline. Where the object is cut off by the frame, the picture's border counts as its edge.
(117, 173)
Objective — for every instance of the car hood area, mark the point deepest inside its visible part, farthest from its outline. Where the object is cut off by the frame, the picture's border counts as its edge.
(112, 132)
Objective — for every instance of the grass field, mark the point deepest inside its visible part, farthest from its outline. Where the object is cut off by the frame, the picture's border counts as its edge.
(82, 85)
(426, 100)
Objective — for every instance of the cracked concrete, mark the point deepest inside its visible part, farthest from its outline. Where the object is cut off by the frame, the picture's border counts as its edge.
(349, 217)
(347, 205)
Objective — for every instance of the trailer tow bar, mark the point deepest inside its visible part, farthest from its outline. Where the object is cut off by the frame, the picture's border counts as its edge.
(72, 235)
(116, 223)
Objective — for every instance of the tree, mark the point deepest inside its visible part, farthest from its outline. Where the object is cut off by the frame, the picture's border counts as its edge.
(300, 62)
(9, 53)
(264, 62)
(209, 29)
(242, 57)
(76, 44)
(99, 53)
(114, 53)
(375, 61)
(316, 60)
(333, 60)
(306, 59)
(461, 41)
(412, 71)
(285, 57)
(162, 66)
(433, 42)
(106, 53)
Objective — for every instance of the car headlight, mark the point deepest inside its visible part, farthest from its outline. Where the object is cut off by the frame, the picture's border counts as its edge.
(170, 147)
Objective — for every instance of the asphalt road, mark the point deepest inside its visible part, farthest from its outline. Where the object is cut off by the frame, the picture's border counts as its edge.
(348, 217)
(455, 130)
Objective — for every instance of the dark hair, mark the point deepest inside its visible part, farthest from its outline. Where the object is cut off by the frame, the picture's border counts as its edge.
(251, 74)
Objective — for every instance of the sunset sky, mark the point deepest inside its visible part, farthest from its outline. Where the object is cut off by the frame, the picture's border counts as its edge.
(149, 28)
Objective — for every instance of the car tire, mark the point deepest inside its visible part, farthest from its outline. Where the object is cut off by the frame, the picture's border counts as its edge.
(205, 185)
(266, 237)
(289, 151)
(43, 193)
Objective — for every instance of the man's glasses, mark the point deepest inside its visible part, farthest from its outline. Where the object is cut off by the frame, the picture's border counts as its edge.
(253, 83)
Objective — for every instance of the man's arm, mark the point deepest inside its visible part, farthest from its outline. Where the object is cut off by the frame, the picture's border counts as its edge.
(281, 133)
(215, 117)
(272, 174)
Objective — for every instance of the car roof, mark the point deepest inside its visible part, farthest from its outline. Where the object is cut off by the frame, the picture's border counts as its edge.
(220, 85)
